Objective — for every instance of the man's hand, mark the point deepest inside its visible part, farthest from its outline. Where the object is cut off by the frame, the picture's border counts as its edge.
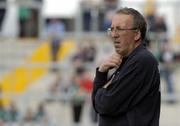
(113, 61)
(108, 83)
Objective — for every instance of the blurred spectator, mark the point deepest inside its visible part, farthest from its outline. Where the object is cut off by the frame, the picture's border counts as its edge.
(89, 51)
(106, 12)
(2, 112)
(32, 24)
(86, 14)
(107, 20)
(166, 59)
(86, 85)
(160, 24)
(86, 52)
(111, 4)
(54, 88)
(161, 29)
(12, 112)
(23, 17)
(101, 16)
(40, 112)
(55, 32)
(29, 116)
(2, 12)
(151, 20)
(78, 55)
(78, 99)
(157, 29)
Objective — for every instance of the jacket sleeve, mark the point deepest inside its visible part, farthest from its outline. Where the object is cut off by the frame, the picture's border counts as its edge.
(128, 87)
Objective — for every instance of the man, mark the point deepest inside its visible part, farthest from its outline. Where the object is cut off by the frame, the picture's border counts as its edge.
(2, 12)
(55, 31)
(131, 96)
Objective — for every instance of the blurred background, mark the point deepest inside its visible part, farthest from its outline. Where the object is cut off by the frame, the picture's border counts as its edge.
(49, 50)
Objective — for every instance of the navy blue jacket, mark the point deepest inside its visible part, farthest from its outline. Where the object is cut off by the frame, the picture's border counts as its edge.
(133, 98)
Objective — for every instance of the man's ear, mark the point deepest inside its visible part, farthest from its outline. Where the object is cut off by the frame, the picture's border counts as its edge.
(138, 35)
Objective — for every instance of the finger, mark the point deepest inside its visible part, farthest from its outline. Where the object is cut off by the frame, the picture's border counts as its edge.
(112, 65)
(115, 61)
(116, 57)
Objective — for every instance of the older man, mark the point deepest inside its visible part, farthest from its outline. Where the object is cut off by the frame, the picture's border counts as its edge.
(131, 96)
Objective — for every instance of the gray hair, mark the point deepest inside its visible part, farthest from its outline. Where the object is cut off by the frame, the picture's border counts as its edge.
(138, 19)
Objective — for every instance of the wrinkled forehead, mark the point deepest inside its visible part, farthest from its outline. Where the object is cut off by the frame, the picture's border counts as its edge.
(122, 20)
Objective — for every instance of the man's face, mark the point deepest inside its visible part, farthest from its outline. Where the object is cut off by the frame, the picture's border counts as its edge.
(123, 34)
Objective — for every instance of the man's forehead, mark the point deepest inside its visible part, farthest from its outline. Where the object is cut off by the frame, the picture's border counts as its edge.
(121, 20)
(122, 16)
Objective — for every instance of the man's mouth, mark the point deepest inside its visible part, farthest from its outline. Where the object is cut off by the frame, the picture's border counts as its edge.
(116, 44)
(117, 47)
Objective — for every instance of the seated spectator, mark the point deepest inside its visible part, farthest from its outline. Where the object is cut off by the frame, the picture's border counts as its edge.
(166, 70)
(40, 113)
(29, 116)
(12, 112)
(2, 112)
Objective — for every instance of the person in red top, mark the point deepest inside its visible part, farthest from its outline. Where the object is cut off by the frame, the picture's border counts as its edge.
(86, 82)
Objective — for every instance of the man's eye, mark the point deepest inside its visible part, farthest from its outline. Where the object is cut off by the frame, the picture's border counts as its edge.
(119, 29)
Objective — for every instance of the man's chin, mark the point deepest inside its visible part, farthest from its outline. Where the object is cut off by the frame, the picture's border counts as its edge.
(118, 51)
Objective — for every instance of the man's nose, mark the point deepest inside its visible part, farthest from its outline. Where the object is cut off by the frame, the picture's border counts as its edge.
(114, 34)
